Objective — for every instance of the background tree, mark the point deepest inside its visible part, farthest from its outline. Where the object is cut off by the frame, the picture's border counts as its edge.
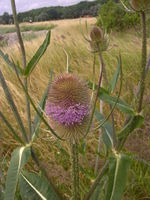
(113, 17)
(5, 18)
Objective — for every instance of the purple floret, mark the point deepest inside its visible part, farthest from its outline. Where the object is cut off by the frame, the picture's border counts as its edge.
(68, 116)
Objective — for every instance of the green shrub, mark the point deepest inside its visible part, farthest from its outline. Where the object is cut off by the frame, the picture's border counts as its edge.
(113, 17)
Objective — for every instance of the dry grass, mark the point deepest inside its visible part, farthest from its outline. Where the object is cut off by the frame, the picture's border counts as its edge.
(67, 36)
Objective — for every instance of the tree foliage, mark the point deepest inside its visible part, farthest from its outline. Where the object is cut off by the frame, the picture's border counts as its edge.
(113, 16)
(52, 13)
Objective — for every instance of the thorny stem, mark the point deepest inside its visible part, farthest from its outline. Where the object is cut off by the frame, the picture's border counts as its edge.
(106, 81)
(101, 110)
(144, 59)
(95, 101)
(75, 171)
(23, 61)
(93, 78)
(119, 93)
(145, 67)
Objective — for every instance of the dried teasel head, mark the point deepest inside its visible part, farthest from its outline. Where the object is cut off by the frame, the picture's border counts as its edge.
(68, 106)
(140, 5)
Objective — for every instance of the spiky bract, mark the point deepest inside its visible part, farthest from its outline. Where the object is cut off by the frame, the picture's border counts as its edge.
(68, 106)
(98, 40)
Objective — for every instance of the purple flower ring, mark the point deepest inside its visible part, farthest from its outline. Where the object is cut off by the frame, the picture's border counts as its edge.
(68, 106)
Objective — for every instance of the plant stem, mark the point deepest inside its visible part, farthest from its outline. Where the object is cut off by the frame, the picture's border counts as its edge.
(101, 111)
(23, 61)
(106, 82)
(144, 70)
(95, 101)
(75, 171)
(104, 79)
(93, 77)
(144, 59)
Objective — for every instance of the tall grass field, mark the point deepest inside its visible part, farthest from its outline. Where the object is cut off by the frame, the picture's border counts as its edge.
(67, 36)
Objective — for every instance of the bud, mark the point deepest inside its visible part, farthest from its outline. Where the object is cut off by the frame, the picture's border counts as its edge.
(140, 5)
(96, 34)
(99, 40)
(68, 106)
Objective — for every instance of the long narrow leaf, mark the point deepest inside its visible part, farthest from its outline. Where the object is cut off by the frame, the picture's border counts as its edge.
(32, 187)
(134, 122)
(124, 107)
(11, 128)
(114, 80)
(106, 97)
(12, 105)
(99, 191)
(19, 157)
(31, 65)
(107, 130)
(117, 177)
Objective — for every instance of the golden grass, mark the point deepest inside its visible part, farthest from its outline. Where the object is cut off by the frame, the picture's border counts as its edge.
(67, 36)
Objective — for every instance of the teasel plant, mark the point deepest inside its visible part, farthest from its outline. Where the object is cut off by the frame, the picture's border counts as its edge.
(68, 109)
(99, 42)
(142, 8)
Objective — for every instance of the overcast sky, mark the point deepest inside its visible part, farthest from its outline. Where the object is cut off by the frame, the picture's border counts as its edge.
(24, 5)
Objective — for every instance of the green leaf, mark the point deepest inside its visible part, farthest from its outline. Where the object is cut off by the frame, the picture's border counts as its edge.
(41, 107)
(107, 130)
(32, 187)
(19, 157)
(99, 191)
(118, 171)
(35, 59)
(124, 107)
(104, 96)
(9, 63)
(134, 122)
(114, 80)
(13, 106)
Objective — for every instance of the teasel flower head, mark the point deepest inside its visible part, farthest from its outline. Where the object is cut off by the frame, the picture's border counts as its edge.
(68, 106)
(140, 5)
(98, 40)
(96, 34)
